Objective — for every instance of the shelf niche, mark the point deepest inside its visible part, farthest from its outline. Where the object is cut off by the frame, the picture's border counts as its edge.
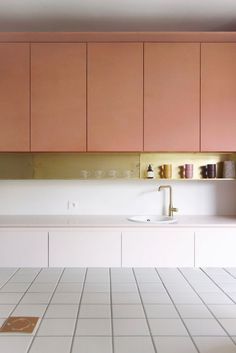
(96, 166)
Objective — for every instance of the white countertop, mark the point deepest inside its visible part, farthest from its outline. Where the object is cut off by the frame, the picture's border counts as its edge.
(50, 221)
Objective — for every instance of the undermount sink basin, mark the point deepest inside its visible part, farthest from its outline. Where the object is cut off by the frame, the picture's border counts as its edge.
(153, 219)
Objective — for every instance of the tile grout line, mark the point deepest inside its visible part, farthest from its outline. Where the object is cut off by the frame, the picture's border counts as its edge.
(145, 313)
(47, 305)
(18, 303)
(78, 311)
(25, 292)
(207, 307)
(176, 308)
(234, 277)
(217, 285)
(10, 278)
(112, 326)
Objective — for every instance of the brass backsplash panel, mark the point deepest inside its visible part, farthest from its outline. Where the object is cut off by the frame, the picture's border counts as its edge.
(16, 166)
(100, 165)
(69, 165)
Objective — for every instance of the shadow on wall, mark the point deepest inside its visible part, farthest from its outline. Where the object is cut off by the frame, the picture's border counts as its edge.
(223, 199)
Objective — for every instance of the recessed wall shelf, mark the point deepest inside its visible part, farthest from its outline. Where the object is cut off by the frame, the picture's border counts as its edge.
(106, 165)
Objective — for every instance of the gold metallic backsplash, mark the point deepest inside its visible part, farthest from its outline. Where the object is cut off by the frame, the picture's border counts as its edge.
(101, 165)
(69, 165)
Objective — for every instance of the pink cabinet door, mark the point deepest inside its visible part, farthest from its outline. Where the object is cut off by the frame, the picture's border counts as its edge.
(218, 116)
(58, 103)
(14, 97)
(171, 97)
(115, 96)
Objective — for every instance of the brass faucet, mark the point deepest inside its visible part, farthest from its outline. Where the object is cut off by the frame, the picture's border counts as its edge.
(171, 208)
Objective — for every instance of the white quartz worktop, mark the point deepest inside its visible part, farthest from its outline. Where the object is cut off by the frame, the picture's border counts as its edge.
(51, 221)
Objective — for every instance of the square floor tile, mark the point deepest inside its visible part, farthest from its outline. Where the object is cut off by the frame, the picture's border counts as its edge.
(133, 345)
(69, 287)
(66, 298)
(122, 277)
(62, 311)
(96, 298)
(72, 278)
(229, 325)
(98, 276)
(10, 298)
(130, 327)
(126, 298)
(174, 345)
(56, 327)
(6, 309)
(167, 327)
(215, 298)
(145, 277)
(96, 287)
(92, 345)
(204, 327)
(15, 287)
(124, 287)
(156, 298)
(37, 310)
(185, 298)
(151, 287)
(14, 344)
(128, 311)
(51, 344)
(93, 327)
(215, 345)
(92, 311)
(47, 279)
(29, 277)
(224, 311)
(161, 311)
(194, 312)
(36, 298)
(25, 270)
(42, 288)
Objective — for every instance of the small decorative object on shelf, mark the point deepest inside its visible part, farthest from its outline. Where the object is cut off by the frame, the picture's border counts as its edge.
(209, 171)
(166, 171)
(150, 172)
(188, 171)
(229, 169)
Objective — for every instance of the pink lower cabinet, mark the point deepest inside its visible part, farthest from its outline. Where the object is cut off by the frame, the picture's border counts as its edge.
(215, 247)
(85, 248)
(158, 248)
(23, 248)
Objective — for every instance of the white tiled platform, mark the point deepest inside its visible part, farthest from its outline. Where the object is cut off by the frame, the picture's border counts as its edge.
(121, 310)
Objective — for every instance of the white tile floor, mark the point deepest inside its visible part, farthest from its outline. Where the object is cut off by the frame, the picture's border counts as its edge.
(121, 310)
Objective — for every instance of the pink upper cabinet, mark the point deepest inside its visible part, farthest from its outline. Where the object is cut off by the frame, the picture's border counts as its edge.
(14, 97)
(115, 97)
(171, 97)
(58, 103)
(218, 97)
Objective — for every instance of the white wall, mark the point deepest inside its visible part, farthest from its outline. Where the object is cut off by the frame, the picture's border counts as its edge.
(115, 197)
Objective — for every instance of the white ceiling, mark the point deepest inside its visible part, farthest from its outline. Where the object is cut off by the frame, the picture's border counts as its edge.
(117, 15)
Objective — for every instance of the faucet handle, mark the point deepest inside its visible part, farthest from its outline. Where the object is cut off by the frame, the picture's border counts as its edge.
(174, 209)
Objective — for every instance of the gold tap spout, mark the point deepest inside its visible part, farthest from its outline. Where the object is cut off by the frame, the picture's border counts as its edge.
(171, 208)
